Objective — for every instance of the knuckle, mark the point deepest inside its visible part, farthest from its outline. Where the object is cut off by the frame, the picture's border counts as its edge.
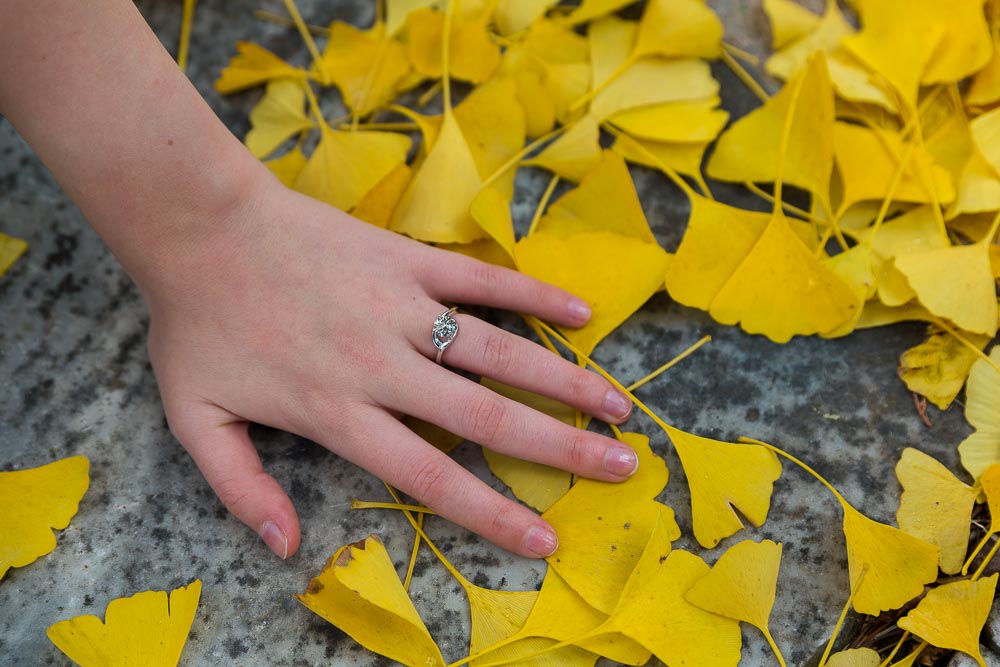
(484, 418)
(498, 518)
(428, 483)
(498, 355)
(584, 386)
(233, 493)
(579, 452)
(485, 277)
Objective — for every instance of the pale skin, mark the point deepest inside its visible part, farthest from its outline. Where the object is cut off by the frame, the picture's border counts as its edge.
(267, 306)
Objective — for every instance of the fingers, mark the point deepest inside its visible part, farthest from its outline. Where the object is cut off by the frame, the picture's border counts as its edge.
(465, 280)
(393, 453)
(474, 412)
(486, 350)
(228, 460)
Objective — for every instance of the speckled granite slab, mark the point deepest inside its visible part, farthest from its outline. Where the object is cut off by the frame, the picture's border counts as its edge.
(76, 380)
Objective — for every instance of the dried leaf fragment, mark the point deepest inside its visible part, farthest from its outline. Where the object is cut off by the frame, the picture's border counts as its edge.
(35, 501)
(10, 249)
(144, 629)
(938, 367)
(359, 592)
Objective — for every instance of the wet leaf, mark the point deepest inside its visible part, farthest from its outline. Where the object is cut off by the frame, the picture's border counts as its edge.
(145, 629)
(35, 501)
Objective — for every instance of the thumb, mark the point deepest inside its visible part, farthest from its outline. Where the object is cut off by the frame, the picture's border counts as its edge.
(223, 451)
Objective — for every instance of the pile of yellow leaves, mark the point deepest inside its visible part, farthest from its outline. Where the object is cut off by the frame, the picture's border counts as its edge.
(887, 128)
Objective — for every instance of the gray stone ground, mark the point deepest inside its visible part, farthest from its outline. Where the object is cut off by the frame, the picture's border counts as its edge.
(76, 380)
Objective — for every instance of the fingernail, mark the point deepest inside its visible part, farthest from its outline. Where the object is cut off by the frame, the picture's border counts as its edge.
(621, 461)
(275, 538)
(617, 405)
(541, 540)
(579, 310)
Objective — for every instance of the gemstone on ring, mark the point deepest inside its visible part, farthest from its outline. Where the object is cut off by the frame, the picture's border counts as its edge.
(444, 331)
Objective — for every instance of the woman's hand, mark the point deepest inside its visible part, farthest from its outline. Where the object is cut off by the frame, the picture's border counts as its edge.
(296, 315)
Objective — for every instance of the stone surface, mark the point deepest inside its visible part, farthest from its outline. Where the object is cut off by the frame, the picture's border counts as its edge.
(76, 380)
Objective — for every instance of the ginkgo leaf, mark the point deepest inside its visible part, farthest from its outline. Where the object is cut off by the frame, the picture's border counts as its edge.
(145, 629)
(642, 85)
(725, 477)
(359, 592)
(435, 207)
(367, 66)
(916, 230)
(397, 11)
(10, 249)
(984, 89)
(492, 123)
(887, 566)
(982, 409)
(781, 289)
(684, 158)
(558, 59)
(855, 267)
(935, 506)
(937, 368)
(867, 162)
(346, 165)
(825, 36)
(654, 612)
(496, 615)
(279, 115)
(952, 615)
(742, 585)
(855, 657)
(853, 82)
(699, 121)
(678, 28)
(251, 66)
(485, 250)
(592, 9)
(534, 484)
(35, 501)
(288, 167)
(539, 109)
(750, 149)
(789, 21)
(560, 613)
(516, 15)
(377, 205)
(492, 211)
(603, 528)
(877, 314)
(473, 55)
(605, 201)
(574, 153)
(955, 283)
(615, 274)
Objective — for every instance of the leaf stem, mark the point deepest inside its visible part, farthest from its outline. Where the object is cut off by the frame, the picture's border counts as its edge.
(986, 561)
(184, 44)
(542, 203)
(285, 22)
(741, 73)
(801, 464)
(937, 321)
(895, 649)
(975, 552)
(840, 619)
(670, 364)
(449, 14)
(670, 173)
(520, 155)
(375, 505)
(293, 11)
(414, 552)
(774, 647)
(597, 90)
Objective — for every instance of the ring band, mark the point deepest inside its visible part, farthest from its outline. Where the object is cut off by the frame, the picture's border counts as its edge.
(444, 332)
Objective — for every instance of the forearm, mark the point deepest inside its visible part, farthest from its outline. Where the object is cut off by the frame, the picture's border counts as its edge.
(91, 89)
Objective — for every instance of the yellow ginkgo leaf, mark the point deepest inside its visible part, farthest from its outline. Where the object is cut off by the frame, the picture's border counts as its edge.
(952, 615)
(492, 211)
(652, 81)
(684, 158)
(867, 162)
(560, 613)
(35, 501)
(955, 283)
(279, 115)
(781, 289)
(492, 123)
(435, 206)
(853, 82)
(789, 21)
(346, 165)
(516, 15)
(887, 566)
(725, 477)
(937, 368)
(473, 55)
(377, 205)
(145, 629)
(877, 314)
(982, 409)
(603, 528)
(288, 167)
(985, 130)
(534, 484)
(397, 11)
(359, 592)
(539, 109)
(615, 274)
(825, 35)
(605, 201)
(10, 249)
(855, 267)
(485, 250)
(916, 230)
(935, 506)
(750, 149)
(984, 90)
(592, 9)
(855, 657)
(367, 66)
(696, 122)
(654, 612)
(742, 585)
(496, 615)
(678, 28)
(574, 153)
(251, 66)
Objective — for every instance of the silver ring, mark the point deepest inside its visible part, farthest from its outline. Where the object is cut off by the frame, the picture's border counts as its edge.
(444, 332)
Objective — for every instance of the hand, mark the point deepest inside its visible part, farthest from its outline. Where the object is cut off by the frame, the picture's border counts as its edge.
(295, 315)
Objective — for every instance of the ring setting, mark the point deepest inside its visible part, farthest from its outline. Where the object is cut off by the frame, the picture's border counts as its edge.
(444, 332)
